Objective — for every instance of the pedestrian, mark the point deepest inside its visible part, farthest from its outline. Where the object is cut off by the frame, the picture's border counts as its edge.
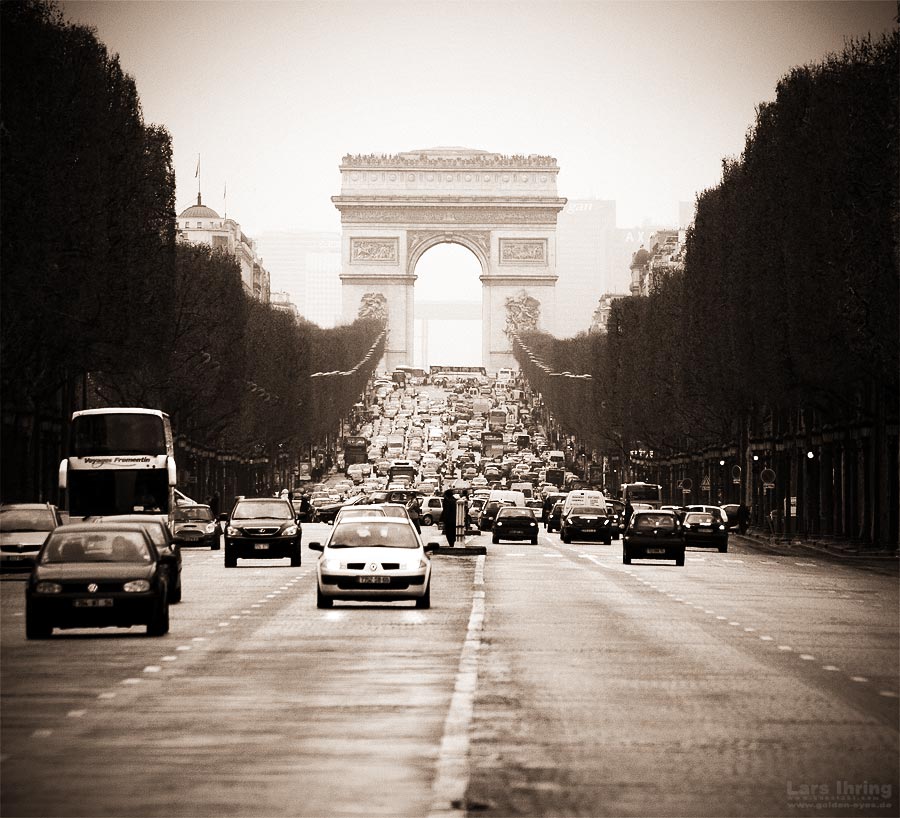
(214, 504)
(412, 508)
(629, 510)
(448, 517)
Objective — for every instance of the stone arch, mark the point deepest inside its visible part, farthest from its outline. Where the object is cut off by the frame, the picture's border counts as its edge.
(501, 208)
(420, 242)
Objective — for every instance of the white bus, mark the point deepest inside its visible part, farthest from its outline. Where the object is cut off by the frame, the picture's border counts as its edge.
(646, 493)
(121, 461)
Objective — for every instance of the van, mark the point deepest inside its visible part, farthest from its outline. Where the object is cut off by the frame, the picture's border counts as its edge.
(584, 497)
(556, 458)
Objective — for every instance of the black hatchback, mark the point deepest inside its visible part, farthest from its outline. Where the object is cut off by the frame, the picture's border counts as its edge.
(515, 523)
(261, 528)
(653, 534)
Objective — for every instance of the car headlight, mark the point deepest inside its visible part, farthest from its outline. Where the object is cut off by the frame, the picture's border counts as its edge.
(48, 588)
(136, 586)
(231, 531)
(210, 528)
(290, 531)
(498, 522)
(532, 524)
(331, 564)
(606, 522)
(721, 527)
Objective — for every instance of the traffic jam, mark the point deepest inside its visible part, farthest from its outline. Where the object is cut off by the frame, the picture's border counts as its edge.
(431, 462)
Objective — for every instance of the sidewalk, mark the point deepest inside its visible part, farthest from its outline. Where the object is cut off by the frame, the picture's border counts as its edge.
(832, 546)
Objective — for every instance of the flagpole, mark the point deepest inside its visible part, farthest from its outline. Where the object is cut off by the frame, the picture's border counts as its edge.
(225, 199)
(197, 175)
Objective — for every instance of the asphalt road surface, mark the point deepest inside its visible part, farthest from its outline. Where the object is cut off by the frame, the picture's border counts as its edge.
(547, 680)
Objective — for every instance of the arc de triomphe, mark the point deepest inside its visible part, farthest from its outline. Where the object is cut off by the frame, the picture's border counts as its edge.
(502, 208)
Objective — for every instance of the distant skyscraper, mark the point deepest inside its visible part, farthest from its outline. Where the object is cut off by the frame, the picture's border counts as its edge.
(587, 261)
(306, 264)
(686, 214)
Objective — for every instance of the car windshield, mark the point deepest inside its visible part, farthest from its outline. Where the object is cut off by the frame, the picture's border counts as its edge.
(586, 510)
(26, 519)
(112, 546)
(354, 534)
(270, 509)
(186, 514)
(698, 518)
(648, 522)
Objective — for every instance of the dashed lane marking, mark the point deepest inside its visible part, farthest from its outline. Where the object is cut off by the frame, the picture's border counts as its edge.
(76, 714)
(452, 777)
(860, 679)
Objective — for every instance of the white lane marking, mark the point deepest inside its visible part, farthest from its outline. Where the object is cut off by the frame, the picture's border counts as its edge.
(807, 657)
(169, 658)
(734, 623)
(183, 647)
(750, 630)
(766, 638)
(452, 777)
(734, 562)
(806, 564)
(152, 669)
(831, 668)
(413, 617)
(553, 555)
(888, 694)
(246, 611)
(334, 616)
(199, 639)
(861, 679)
(106, 696)
(696, 559)
(42, 733)
(76, 714)
(224, 624)
(131, 681)
(722, 618)
(235, 616)
(256, 605)
(785, 648)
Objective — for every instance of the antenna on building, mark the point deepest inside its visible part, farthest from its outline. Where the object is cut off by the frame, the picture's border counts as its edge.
(197, 177)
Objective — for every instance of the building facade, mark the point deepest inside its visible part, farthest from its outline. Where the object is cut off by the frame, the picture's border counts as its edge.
(199, 224)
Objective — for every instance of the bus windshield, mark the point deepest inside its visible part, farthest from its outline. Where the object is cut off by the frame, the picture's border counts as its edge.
(111, 433)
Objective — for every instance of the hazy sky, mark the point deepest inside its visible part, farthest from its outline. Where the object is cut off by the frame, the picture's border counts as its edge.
(638, 101)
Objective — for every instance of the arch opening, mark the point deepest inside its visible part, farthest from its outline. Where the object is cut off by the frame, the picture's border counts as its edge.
(447, 306)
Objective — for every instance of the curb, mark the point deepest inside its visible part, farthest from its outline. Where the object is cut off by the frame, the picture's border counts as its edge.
(462, 550)
(842, 553)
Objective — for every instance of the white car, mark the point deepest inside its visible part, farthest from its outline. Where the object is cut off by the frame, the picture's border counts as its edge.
(374, 558)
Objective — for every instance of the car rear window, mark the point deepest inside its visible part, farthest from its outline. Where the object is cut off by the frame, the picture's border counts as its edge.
(698, 518)
(586, 510)
(185, 514)
(516, 513)
(648, 522)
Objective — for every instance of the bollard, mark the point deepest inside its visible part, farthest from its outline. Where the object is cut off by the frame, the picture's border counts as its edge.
(461, 521)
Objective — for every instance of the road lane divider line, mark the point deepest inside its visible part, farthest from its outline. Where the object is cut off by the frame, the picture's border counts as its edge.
(448, 792)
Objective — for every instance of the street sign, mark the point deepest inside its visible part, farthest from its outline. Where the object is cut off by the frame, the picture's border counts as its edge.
(736, 475)
(768, 478)
(705, 484)
(687, 484)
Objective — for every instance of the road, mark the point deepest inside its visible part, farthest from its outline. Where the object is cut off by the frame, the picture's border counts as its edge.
(545, 680)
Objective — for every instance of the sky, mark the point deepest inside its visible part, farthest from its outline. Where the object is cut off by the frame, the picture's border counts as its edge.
(638, 101)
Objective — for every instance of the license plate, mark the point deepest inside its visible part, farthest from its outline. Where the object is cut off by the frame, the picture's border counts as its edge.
(374, 580)
(590, 530)
(261, 546)
(12, 556)
(656, 550)
(93, 603)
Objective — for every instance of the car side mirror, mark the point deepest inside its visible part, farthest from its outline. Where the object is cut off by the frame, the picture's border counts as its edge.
(316, 546)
